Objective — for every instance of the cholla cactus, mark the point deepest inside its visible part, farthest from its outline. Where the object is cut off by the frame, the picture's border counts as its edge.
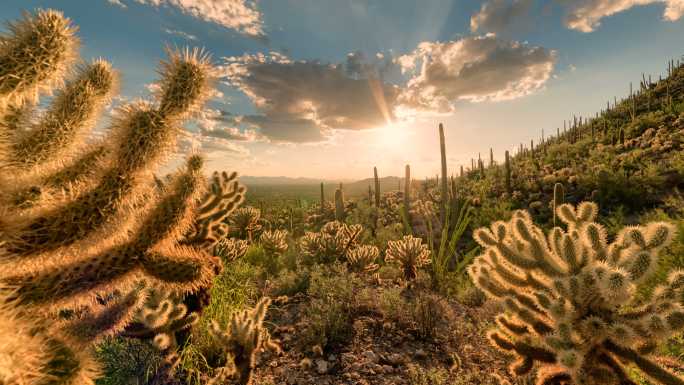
(164, 315)
(109, 231)
(331, 243)
(274, 242)
(569, 296)
(231, 249)
(244, 338)
(410, 253)
(244, 222)
(362, 259)
(224, 196)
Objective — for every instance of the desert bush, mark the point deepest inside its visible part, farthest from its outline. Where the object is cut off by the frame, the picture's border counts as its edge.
(125, 361)
(331, 310)
(429, 312)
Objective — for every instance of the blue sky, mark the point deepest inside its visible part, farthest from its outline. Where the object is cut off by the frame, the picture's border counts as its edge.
(330, 88)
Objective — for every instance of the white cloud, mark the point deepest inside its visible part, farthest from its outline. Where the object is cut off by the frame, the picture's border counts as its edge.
(303, 101)
(117, 3)
(586, 15)
(179, 33)
(239, 15)
(500, 15)
(192, 142)
(481, 68)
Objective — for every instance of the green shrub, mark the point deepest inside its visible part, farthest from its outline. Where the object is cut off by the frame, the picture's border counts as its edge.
(126, 361)
(331, 310)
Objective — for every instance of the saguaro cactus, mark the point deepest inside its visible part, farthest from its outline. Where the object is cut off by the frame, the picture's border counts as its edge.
(507, 166)
(377, 187)
(112, 232)
(443, 190)
(322, 198)
(558, 199)
(569, 297)
(407, 192)
(339, 205)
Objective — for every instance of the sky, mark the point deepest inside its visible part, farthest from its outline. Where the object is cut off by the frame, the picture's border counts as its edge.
(328, 89)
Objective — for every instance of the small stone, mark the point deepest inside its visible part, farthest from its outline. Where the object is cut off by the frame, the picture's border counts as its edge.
(321, 366)
(396, 359)
(371, 356)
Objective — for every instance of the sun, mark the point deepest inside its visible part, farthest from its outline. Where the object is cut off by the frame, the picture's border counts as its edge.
(392, 136)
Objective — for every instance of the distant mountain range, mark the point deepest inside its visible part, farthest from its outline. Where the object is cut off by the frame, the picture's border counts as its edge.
(351, 187)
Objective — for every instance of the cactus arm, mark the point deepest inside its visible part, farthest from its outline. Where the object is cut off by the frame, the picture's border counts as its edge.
(647, 366)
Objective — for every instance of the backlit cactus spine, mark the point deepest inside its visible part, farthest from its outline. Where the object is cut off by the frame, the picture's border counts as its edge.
(569, 297)
(106, 236)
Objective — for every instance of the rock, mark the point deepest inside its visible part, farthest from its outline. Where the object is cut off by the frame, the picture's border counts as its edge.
(371, 356)
(396, 359)
(420, 354)
(321, 366)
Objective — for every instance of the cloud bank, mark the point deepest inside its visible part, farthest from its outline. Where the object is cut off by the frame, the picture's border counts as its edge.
(500, 15)
(239, 15)
(586, 15)
(481, 68)
(302, 101)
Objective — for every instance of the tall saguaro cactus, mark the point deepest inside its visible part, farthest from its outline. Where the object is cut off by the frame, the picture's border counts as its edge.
(407, 192)
(339, 204)
(322, 198)
(377, 187)
(507, 166)
(111, 231)
(443, 190)
(558, 199)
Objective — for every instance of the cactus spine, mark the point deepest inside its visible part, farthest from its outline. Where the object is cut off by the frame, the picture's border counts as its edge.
(558, 199)
(377, 187)
(443, 190)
